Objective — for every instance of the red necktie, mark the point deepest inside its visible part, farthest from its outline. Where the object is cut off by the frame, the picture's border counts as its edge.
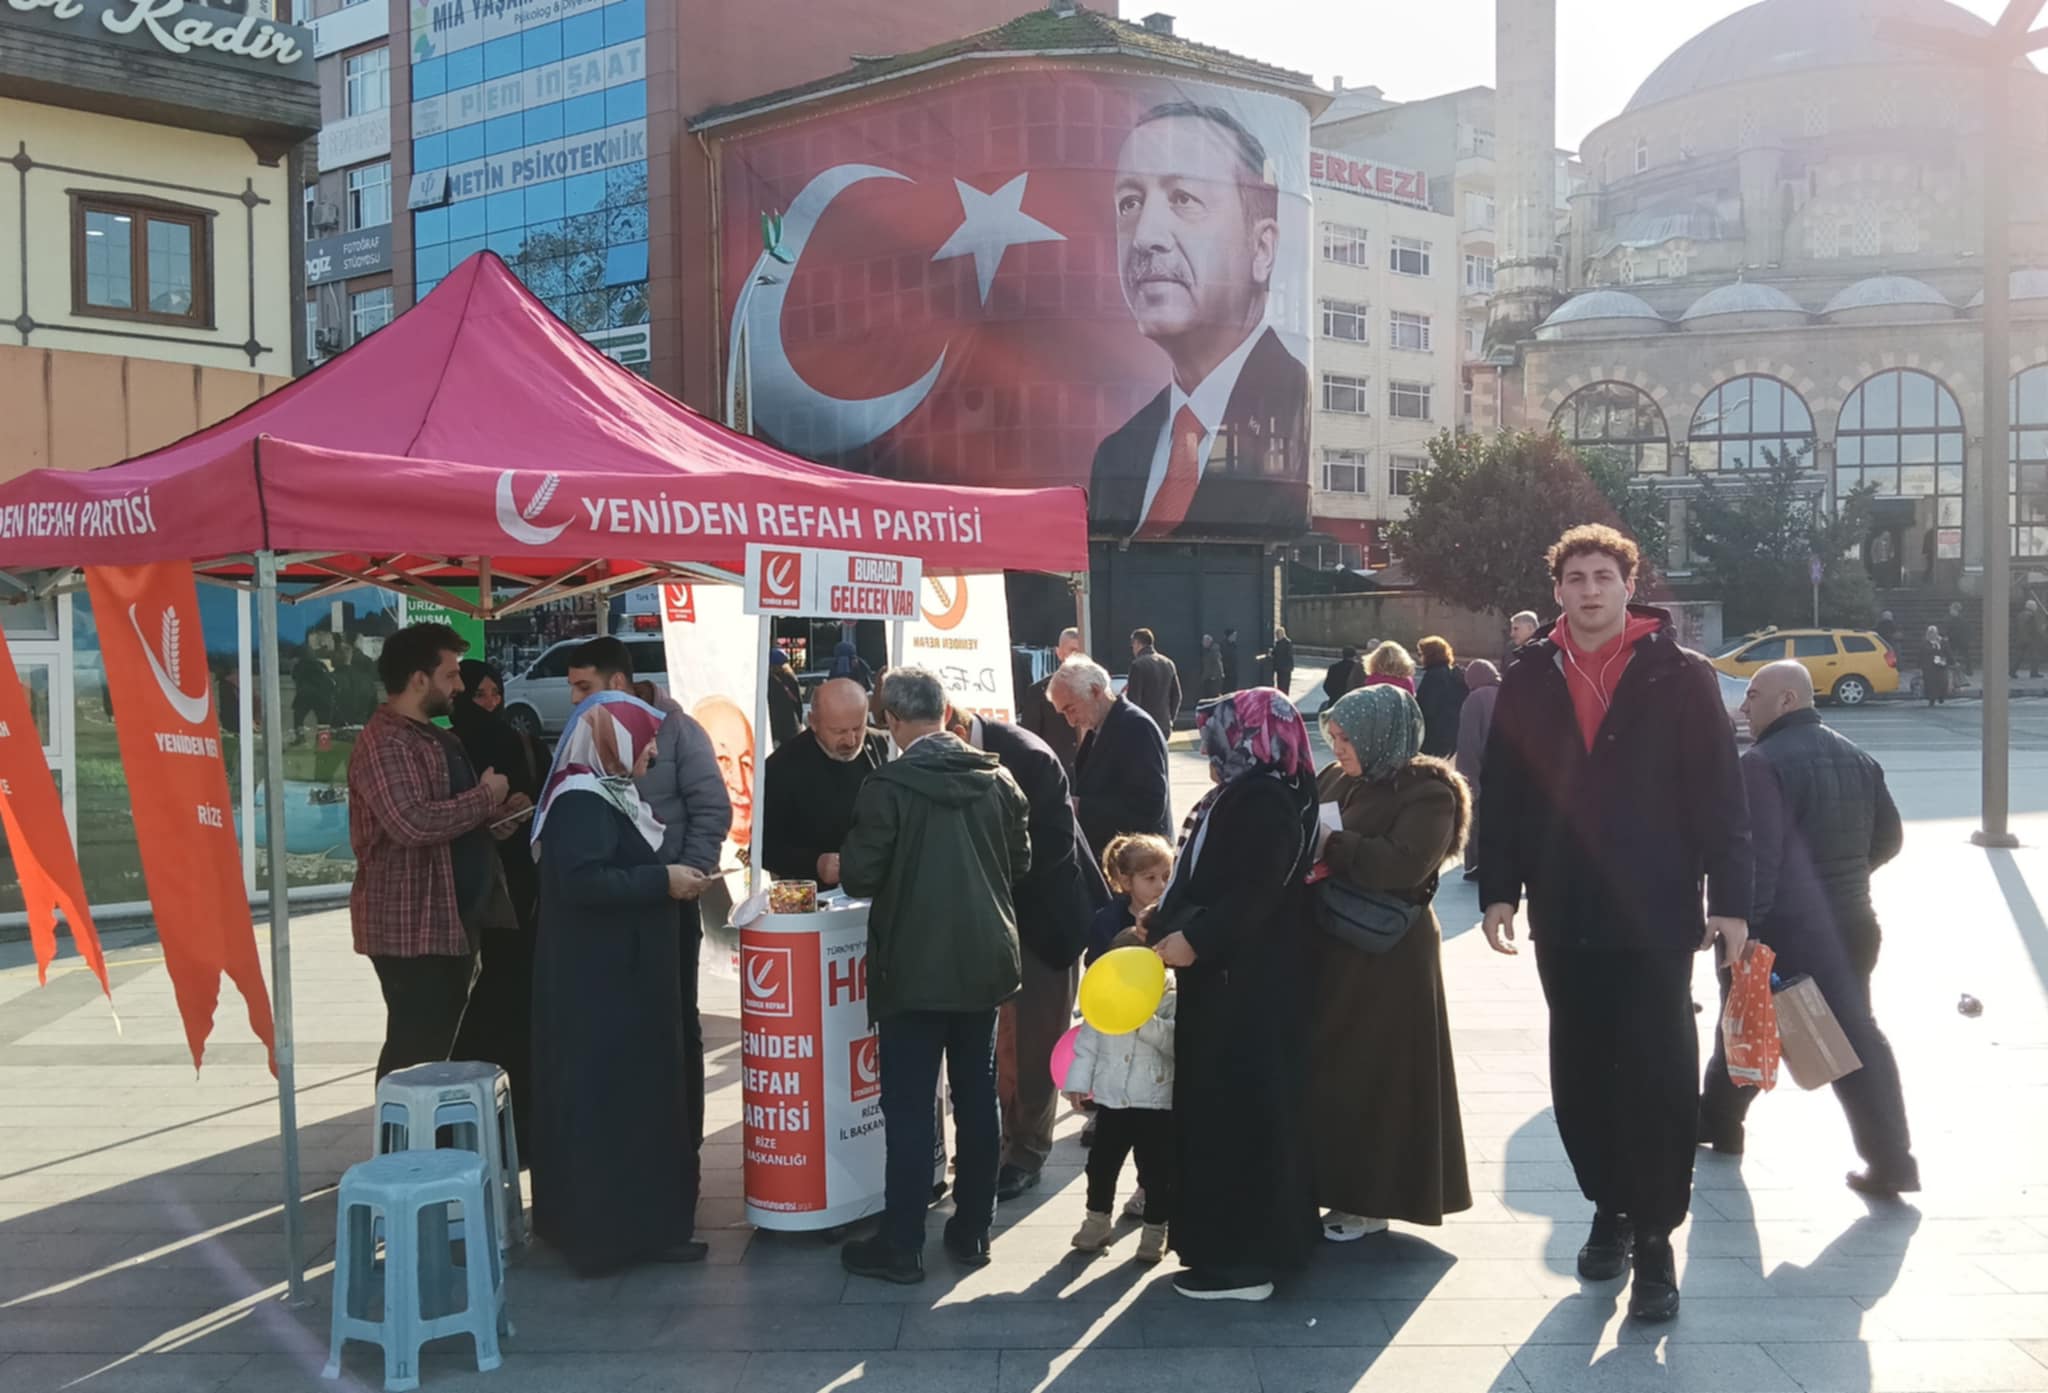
(1183, 477)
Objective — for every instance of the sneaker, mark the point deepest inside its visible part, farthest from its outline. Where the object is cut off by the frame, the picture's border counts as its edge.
(1198, 1284)
(1134, 1207)
(1607, 1249)
(1654, 1296)
(1096, 1232)
(969, 1250)
(1013, 1181)
(1339, 1227)
(1152, 1243)
(1886, 1182)
(873, 1257)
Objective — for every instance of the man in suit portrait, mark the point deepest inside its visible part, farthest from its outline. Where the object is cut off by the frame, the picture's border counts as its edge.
(1224, 447)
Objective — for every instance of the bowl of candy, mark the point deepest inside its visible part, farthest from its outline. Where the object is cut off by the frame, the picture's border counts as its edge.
(793, 897)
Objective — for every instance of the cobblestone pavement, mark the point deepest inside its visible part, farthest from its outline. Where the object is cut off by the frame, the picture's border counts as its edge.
(141, 1246)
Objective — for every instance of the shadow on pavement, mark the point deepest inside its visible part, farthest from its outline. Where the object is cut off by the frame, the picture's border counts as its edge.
(2026, 911)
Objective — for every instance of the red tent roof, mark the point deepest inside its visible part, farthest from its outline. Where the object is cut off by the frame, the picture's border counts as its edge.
(479, 425)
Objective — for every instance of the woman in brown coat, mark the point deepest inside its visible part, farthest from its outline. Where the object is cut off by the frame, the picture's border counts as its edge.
(1386, 1140)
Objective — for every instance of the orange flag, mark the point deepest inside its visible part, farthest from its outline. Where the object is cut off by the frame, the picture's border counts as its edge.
(32, 815)
(150, 641)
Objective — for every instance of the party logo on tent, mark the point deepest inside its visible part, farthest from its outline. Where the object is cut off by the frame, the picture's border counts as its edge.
(163, 665)
(782, 580)
(864, 1069)
(765, 982)
(520, 524)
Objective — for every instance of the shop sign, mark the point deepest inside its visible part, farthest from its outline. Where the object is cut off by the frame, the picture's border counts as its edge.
(631, 346)
(517, 92)
(820, 584)
(348, 254)
(248, 41)
(552, 159)
(358, 138)
(1369, 178)
(442, 26)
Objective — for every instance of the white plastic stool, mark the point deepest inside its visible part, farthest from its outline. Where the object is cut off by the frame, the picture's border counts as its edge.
(409, 1195)
(466, 1106)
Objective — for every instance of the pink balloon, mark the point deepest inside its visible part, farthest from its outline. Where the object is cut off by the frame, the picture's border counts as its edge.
(1063, 1057)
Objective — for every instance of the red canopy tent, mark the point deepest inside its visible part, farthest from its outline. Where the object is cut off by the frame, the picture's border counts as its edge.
(480, 437)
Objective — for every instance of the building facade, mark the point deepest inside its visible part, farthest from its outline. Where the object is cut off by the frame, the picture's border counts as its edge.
(345, 211)
(1387, 352)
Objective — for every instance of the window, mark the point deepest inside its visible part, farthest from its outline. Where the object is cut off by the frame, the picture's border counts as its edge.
(1401, 473)
(1642, 153)
(1345, 319)
(1350, 395)
(1409, 331)
(1855, 643)
(313, 331)
(1769, 651)
(134, 258)
(1408, 256)
(1743, 422)
(366, 82)
(553, 663)
(368, 311)
(311, 196)
(369, 196)
(1478, 212)
(650, 657)
(1482, 144)
(1408, 401)
(1813, 646)
(1475, 337)
(1479, 273)
(1344, 245)
(1344, 471)
(1617, 418)
(1902, 431)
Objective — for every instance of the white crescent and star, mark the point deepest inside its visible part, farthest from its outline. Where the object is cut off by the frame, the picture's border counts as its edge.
(812, 422)
(514, 522)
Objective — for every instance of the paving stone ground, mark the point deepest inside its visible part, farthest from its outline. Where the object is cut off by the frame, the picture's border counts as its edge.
(141, 1244)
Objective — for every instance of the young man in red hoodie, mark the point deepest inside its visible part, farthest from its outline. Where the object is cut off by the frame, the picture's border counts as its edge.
(1612, 792)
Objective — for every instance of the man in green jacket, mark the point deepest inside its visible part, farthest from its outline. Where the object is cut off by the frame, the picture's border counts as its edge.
(939, 836)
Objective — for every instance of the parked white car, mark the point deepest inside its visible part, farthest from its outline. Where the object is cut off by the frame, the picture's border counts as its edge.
(537, 700)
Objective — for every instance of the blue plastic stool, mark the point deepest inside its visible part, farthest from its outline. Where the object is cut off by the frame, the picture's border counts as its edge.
(425, 1294)
(463, 1105)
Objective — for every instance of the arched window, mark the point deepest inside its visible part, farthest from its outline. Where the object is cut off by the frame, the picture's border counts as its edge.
(1618, 417)
(2030, 463)
(1902, 430)
(1744, 417)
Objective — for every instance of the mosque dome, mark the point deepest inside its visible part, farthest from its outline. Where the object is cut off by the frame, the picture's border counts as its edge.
(1890, 298)
(1596, 312)
(1757, 305)
(2029, 293)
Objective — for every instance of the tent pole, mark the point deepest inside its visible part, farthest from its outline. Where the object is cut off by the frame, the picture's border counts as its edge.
(280, 931)
(757, 875)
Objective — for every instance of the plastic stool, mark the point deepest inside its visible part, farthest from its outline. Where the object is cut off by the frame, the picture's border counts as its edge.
(411, 1193)
(416, 1106)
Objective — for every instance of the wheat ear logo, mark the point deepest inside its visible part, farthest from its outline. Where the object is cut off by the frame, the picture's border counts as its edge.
(163, 663)
(519, 524)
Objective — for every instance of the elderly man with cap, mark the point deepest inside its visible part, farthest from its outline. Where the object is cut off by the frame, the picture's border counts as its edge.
(1822, 821)
(813, 781)
(1120, 775)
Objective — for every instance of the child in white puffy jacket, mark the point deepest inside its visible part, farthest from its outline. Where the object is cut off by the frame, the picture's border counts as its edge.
(1131, 1078)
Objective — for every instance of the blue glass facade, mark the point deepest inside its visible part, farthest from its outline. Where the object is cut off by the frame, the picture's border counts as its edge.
(529, 138)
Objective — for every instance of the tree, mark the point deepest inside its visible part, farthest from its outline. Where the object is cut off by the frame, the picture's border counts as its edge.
(1757, 537)
(1488, 508)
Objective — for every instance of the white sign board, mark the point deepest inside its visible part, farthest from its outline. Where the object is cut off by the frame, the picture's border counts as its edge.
(712, 666)
(814, 583)
(962, 633)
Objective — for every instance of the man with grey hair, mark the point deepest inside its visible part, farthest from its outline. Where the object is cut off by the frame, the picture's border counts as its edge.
(1822, 821)
(1120, 779)
(940, 835)
(1035, 710)
(1521, 629)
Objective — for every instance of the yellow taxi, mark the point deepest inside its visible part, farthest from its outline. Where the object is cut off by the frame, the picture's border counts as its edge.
(1848, 665)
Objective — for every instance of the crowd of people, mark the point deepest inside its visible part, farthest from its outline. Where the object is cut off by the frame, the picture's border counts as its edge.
(1297, 1080)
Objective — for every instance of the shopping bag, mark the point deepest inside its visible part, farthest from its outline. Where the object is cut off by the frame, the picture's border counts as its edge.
(1749, 1020)
(1814, 1047)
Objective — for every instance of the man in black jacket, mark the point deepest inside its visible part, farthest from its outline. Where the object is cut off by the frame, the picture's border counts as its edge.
(1612, 790)
(1055, 901)
(1035, 712)
(1120, 779)
(1154, 685)
(813, 782)
(1283, 661)
(1822, 821)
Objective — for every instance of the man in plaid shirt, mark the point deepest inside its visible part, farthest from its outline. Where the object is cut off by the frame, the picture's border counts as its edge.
(425, 868)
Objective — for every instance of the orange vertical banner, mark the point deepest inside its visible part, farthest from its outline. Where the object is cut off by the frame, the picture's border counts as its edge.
(155, 656)
(32, 814)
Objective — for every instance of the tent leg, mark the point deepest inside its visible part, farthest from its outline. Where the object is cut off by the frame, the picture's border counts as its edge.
(757, 874)
(280, 930)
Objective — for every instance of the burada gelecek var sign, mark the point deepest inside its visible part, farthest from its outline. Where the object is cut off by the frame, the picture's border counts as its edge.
(348, 254)
(243, 40)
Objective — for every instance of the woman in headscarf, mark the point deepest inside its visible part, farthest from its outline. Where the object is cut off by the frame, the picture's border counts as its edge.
(1390, 665)
(610, 1145)
(785, 699)
(497, 1026)
(1387, 1140)
(1232, 924)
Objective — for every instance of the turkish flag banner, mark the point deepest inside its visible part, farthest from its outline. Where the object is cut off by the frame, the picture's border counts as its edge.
(32, 815)
(169, 733)
(1037, 276)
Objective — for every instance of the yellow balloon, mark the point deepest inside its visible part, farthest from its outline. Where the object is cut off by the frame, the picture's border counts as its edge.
(1122, 990)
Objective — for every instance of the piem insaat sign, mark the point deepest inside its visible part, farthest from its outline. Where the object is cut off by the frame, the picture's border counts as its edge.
(248, 42)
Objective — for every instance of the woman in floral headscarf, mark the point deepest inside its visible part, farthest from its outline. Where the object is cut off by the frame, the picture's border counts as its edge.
(1232, 924)
(1387, 1141)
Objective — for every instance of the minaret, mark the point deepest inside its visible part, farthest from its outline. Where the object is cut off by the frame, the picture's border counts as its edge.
(1525, 170)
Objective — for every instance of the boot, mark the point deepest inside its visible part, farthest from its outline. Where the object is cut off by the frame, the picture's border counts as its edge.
(1654, 1296)
(1095, 1233)
(1152, 1243)
(1607, 1249)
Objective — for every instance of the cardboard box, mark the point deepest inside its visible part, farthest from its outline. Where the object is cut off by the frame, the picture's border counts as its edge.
(1813, 1045)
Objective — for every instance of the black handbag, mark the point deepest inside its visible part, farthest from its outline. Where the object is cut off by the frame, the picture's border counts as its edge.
(1372, 921)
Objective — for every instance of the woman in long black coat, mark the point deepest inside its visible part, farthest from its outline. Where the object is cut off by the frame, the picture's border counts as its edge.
(609, 1138)
(1231, 925)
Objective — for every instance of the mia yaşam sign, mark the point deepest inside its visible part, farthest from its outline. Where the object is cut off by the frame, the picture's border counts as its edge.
(169, 735)
(1119, 301)
(38, 838)
(962, 634)
(820, 584)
